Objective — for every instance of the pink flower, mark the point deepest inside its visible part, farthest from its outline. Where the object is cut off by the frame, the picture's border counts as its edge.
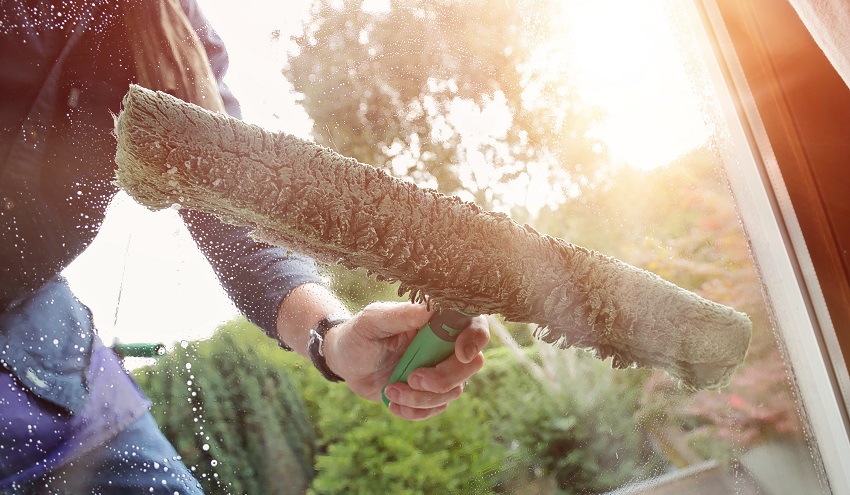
(736, 401)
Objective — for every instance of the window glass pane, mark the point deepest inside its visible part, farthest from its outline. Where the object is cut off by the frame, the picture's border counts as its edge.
(591, 121)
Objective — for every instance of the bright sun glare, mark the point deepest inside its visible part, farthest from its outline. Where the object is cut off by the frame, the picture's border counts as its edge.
(629, 64)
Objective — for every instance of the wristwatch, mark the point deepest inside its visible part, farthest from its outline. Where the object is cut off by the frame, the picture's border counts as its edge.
(316, 343)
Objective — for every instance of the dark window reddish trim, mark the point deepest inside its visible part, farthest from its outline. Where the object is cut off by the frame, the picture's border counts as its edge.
(804, 106)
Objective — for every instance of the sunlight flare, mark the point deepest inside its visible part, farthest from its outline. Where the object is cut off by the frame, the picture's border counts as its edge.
(628, 61)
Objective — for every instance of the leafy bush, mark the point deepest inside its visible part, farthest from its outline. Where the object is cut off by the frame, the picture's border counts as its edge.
(230, 409)
(576, 427)
(237, 408)
(364, 449)
(451, 453)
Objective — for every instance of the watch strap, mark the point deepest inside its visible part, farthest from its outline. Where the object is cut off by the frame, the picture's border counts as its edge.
(316, 343)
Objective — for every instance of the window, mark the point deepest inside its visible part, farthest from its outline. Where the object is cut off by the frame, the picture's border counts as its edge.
(631, 128)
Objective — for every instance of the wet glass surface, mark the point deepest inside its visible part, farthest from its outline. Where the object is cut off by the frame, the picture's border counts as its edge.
(593, 122)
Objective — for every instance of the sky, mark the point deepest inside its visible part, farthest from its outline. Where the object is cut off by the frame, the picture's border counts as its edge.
(627, 62)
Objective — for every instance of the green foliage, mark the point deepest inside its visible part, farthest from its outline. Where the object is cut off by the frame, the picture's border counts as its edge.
(377, 453)
(578, 427)
(364, 449)
(680, 222)
(230, 409)
(241, 397)
(508, 434)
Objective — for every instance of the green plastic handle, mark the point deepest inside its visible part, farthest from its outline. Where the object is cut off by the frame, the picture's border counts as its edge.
(139, 350)
(434, 343)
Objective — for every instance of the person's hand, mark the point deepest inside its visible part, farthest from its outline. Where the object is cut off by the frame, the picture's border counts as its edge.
(365, 350)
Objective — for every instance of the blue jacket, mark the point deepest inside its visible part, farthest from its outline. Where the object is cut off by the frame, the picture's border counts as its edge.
(51, 349)
(66, 75)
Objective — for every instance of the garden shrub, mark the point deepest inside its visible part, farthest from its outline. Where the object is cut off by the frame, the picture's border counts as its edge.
(272, 424)
(366, 450)
(230, 409)
(578, 429)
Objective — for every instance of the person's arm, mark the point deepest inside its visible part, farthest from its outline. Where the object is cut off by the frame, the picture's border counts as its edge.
(256, 276)
(301, 311)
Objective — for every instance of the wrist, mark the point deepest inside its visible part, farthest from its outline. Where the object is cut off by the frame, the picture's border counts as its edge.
(321, 345)
(331, 347)
(301, 310)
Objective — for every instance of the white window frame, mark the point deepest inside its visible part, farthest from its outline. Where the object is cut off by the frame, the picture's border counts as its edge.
(794, 296)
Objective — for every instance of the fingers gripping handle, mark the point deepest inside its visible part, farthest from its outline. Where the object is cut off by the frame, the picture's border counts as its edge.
(434, 343)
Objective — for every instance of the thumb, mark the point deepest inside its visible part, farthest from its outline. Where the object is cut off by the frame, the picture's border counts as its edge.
(393, 318)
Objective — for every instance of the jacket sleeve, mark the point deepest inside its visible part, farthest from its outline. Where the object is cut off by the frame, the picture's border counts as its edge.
(256, 276)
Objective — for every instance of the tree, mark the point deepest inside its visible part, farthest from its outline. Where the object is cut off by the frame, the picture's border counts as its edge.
(457, 95)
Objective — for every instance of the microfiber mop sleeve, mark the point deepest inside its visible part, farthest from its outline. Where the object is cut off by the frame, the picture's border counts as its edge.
(307, 198)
